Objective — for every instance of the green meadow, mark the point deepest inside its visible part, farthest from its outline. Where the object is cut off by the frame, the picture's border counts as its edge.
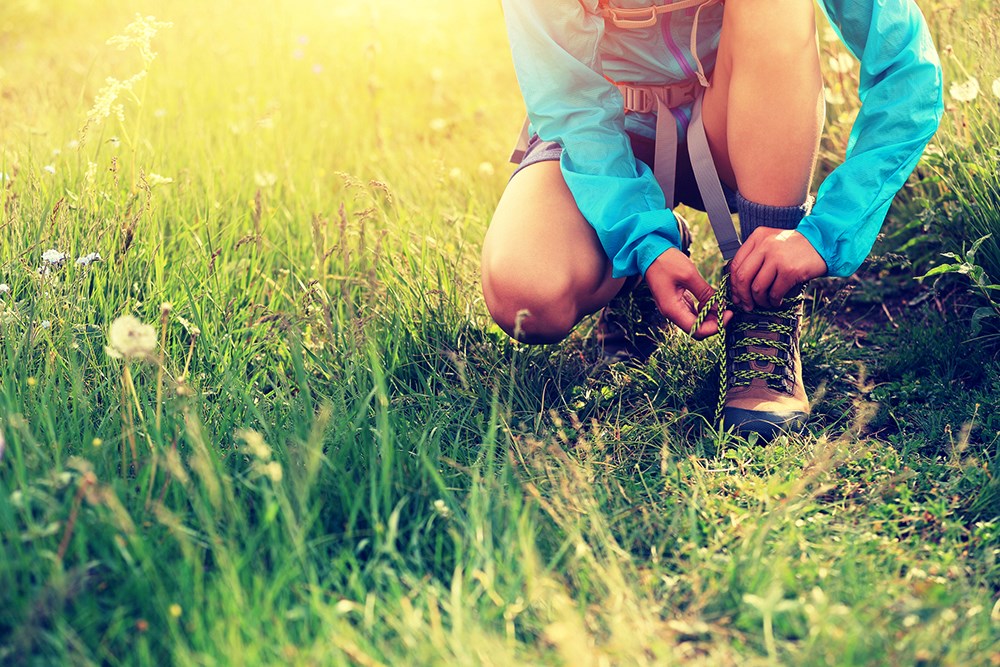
(312, 446)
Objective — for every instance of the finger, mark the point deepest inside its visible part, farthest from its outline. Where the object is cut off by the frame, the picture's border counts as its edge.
(761, 286)
(736, 262)
(698, 286)
(782, 283)
(743, 278)
(709, 327)
(676, 309)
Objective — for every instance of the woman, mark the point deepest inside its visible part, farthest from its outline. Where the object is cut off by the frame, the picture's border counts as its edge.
(584, 212)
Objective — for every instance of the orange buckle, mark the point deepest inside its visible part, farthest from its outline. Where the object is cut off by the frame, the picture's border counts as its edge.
(644, 17)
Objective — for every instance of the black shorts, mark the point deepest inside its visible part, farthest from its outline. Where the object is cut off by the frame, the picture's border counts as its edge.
(685, 190)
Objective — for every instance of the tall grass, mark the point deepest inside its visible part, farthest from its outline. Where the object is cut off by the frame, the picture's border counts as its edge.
(332, 456)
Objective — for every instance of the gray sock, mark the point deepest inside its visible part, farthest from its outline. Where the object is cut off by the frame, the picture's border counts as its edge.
(754, 215)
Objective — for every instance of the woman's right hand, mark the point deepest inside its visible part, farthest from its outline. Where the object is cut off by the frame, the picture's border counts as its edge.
(680, 292)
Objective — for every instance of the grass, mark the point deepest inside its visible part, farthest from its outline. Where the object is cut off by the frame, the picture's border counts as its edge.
(335, 458)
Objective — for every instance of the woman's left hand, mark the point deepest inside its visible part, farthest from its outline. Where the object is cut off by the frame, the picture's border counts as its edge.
(769, 264)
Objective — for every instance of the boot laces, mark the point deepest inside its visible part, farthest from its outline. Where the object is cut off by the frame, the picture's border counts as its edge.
(749, 330)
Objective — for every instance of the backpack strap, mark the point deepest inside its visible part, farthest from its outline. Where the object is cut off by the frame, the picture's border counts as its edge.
(709, 184)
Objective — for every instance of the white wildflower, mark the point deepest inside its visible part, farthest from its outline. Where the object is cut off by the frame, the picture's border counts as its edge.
(73, 144)
(486, 169)
(965, 91)
(44, 270)
(273, 471)
(264, 179)
(139, 34)
(53, 256)
(115, 142)
(190, 327)
(441, 509)
(88, 259)
(45, 324)
(106, 101)
(996, 87)
(56, 152)
(842, 63)
(49, 168)
(255, 443)
(835, 98)
(128, 338)
(155, 179)
(343, 606)
(4, 288)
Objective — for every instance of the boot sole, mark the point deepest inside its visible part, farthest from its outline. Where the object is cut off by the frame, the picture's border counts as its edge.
(767, 425)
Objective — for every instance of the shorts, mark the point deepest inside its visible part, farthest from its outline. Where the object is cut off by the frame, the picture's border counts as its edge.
(685, 189)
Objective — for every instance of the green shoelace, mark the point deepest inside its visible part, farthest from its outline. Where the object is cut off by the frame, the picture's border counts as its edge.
(787, 317)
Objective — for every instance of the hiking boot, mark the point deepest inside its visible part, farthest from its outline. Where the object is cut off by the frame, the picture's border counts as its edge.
(763, 372)
(628, 328)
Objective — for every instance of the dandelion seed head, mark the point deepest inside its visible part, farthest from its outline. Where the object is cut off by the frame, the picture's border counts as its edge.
(486, 169)
(49, 169)
(965, 91)
(128, 338)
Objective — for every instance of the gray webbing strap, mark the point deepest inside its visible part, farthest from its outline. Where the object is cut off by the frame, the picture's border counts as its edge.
(521, 147)
(709, 185)
(665, 155)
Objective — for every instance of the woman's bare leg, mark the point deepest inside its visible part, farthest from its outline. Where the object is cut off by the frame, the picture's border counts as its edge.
(764, 112)
(543, 266)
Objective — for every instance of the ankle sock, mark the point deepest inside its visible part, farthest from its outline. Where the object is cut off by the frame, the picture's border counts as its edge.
(754, 215)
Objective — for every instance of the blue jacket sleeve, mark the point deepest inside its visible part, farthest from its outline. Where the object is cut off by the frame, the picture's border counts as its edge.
(555, 46)
(901, 107)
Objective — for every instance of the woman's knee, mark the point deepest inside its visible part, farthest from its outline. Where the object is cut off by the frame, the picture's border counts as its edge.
(533, 304)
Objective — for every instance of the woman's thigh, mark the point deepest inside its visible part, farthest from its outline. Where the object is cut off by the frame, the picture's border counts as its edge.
(543, 266)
